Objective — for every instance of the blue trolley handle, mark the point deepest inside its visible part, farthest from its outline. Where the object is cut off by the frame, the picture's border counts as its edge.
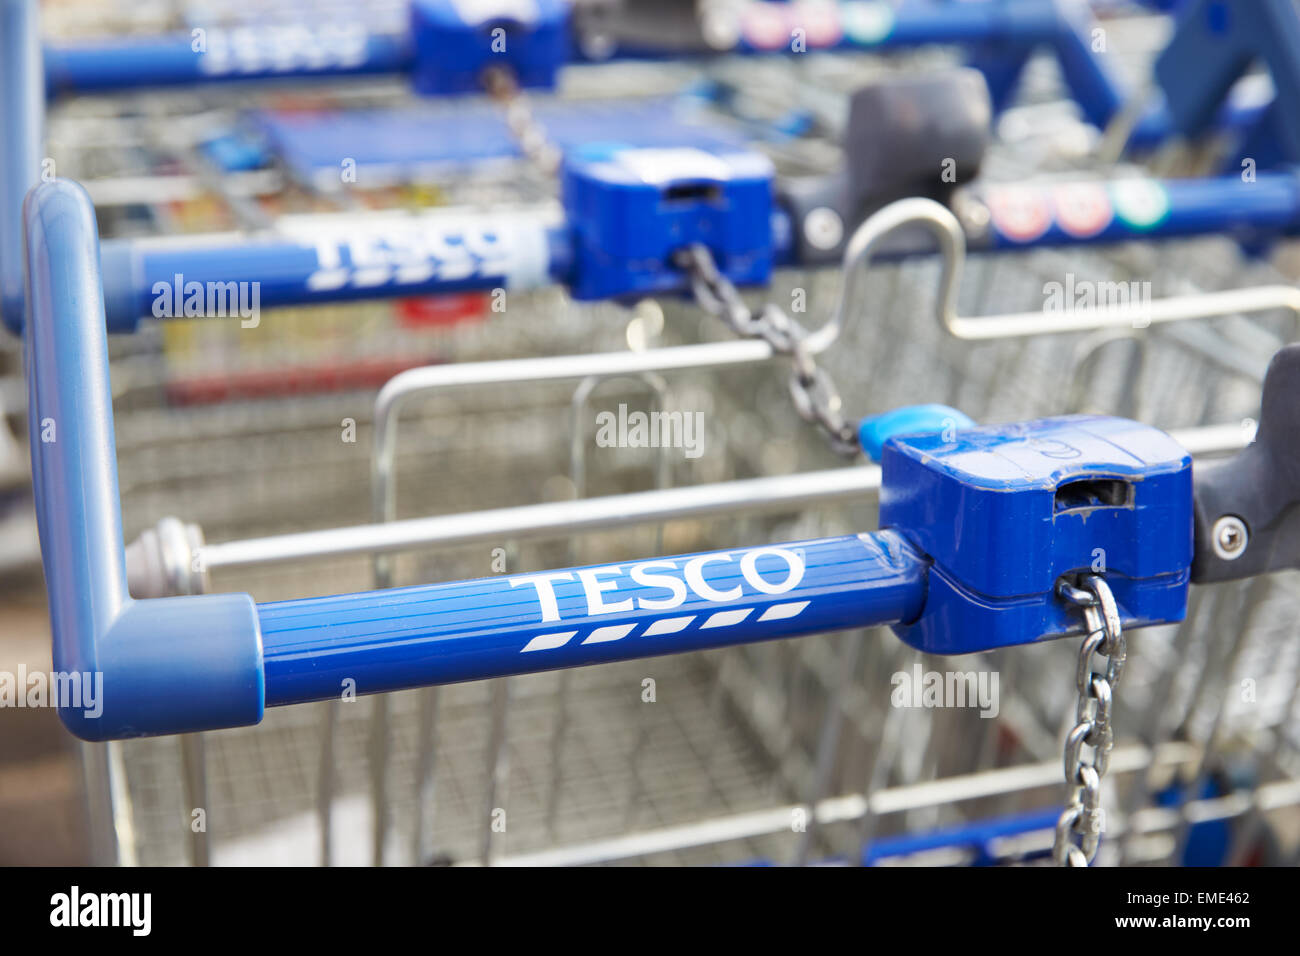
(445, 53)
(981, 525)
(439, 254)
(441, 51)
(173, 665)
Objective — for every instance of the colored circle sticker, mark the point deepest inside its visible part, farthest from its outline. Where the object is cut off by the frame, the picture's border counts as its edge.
(765, 26)
(867, 22)
(1019, 213)
(820, 21)
(1140, 203)
(1082, 209)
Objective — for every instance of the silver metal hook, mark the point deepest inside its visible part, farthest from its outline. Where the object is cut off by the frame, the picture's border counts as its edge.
(936, 218)
(947, 230)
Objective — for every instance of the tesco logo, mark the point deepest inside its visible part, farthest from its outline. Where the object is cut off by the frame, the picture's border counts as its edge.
(666, 583)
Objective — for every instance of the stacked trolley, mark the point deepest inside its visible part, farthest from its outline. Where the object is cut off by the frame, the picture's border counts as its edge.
(499, 361)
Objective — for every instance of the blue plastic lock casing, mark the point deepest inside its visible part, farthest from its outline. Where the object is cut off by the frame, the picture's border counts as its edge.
(630, 209)
(456, 40)
(1003, 511)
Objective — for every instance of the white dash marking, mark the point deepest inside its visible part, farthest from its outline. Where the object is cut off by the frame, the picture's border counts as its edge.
(611, 633)
(727, 618)
(668, 625)
(779, 612)
(546, 642)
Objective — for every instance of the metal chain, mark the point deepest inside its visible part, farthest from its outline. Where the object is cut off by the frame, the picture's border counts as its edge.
(1084, 818)
(814, 394)
(523, 124)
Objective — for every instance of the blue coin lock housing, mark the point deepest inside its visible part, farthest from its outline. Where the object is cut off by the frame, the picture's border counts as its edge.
(1003, 511)
(456, 40)
(630, 209)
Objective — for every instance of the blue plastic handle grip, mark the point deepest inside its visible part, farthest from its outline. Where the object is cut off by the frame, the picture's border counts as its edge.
(514, 624)
(140, 274)
(201, 662)
(164, 666)
(103, 66)
(22, 115)
(152, 277)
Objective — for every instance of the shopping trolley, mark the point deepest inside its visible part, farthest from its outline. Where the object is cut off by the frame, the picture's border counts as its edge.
(221, 658)
(902, 375)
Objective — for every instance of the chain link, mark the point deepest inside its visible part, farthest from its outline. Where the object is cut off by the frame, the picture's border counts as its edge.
(814, 394)
(523, 124)
(1079, 828)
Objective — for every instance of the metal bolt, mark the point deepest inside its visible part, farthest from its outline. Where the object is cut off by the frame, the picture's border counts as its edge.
(1230, 537)
(823, 228)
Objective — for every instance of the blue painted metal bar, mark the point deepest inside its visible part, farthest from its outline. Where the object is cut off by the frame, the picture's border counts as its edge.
(1002, 34)
(415, 636)
(982, 842)
(267, 53)
(403, 256)
(22, 115)
(173, 665)
(978, 838)
(1039, 494)
(277, 51)
(443, 254)
(162, 666)
(1030, 215)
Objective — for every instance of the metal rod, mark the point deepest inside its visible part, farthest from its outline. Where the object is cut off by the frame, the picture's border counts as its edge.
(103, 812)
(554, 518)
(404, 386)
(947, 231)
(426, 769)
(609, 511)
(194, 765)
(1124, 759)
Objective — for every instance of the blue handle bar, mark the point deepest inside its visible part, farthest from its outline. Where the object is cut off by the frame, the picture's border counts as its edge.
(515, 624)
(171, 278)
(251, 53)
(1029, 215)
(172, 665)
(981, 525)
(269, 52)
(442, 254)
(1003, 34)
